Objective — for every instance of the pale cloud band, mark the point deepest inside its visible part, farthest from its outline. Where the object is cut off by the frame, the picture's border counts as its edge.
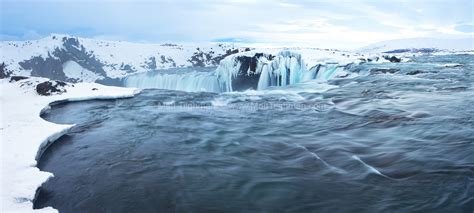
(319, 23)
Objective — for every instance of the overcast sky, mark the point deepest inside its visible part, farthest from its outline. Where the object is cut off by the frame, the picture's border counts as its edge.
(318, 23)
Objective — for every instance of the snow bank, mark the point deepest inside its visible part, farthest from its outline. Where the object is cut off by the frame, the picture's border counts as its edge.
(24, 133)
(75, 71)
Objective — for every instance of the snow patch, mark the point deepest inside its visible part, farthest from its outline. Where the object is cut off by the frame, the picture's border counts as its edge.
(75, 71)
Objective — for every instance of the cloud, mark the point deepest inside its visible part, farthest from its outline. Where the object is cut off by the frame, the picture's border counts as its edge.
(320, 23)
(283, 4)
(466, 28)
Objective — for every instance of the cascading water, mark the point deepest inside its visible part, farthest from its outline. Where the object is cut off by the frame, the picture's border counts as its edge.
(329, 71)
(286, 68)
(187, 81)
(240, 72)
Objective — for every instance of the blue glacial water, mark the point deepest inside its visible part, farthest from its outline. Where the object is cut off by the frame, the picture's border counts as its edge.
(397, 137)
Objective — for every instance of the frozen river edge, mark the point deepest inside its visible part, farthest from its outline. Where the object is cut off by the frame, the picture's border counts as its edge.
(24, 134)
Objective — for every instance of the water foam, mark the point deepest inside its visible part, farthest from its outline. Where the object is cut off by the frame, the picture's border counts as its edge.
(369, 167)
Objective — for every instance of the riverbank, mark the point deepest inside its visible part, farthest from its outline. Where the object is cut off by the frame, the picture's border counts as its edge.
(23, 133)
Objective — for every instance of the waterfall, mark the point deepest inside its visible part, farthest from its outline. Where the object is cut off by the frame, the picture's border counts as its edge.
(240, 72)
(286, 68)
(186, 81)
(329, 71)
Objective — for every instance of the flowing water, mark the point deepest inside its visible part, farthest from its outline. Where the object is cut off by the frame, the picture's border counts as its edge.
(391, 138)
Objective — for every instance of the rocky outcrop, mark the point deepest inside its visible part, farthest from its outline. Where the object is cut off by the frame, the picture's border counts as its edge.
(201, 59)
(50, 88)
(17, 78)
(52, 66)
(392, 59)
(383, 70)
(414, 72)
(247, 76)
(4, 72)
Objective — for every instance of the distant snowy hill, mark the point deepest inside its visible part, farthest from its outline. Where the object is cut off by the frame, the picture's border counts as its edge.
(69, 58)
(420, 45)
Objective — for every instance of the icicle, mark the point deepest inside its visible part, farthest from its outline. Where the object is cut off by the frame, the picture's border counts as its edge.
(265, 77)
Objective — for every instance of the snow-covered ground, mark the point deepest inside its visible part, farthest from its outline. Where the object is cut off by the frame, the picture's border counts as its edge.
(23, 133)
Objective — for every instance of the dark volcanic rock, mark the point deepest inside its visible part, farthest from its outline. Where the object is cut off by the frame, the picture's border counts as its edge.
(247, 77)
(373, 59)
(4, 72)
(50, 87)
(382, 70)
(167, 60)
(126, 67)
(52, 66)
(17, 78)
(151, 64)
(200, 58)
(415, 72)
(392, 59)
(228, 52)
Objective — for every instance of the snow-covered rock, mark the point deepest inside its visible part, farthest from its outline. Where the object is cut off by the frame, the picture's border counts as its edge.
(51, 87)
(24, 133)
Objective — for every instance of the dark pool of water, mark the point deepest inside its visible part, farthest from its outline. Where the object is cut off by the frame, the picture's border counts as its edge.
(376, 143)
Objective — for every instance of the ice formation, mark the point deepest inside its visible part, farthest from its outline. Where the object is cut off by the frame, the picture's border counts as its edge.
(240, 72)
(286, 68)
